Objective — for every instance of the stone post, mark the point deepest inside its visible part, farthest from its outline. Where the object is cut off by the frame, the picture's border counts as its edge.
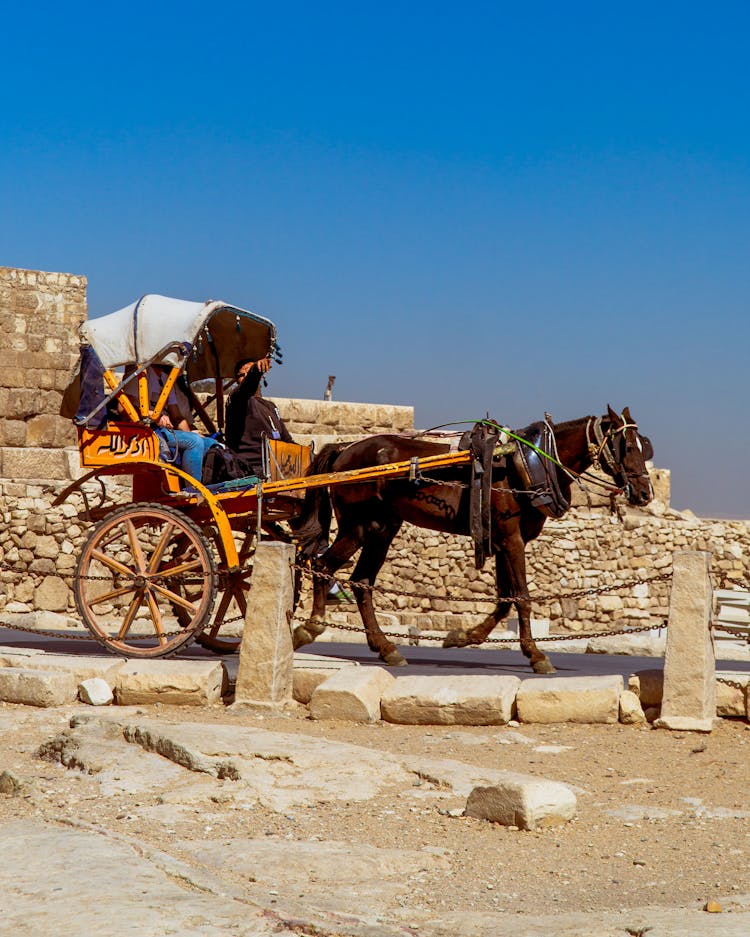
(689, 697)
(265, 669)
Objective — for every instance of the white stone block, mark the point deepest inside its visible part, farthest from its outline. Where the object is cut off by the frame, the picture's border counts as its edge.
(452, 700)
(95, 692)
(37, 687)
(539, 627)
(631, 711)
(179, 683)
(732, 701)
(641, 644)
(570, 699)
(523, 801)
(353, 694)
(310, 670)
(80, 668)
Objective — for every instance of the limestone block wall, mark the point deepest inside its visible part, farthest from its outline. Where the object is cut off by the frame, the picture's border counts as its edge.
(585, 550)
(324, 421)
(40, 315)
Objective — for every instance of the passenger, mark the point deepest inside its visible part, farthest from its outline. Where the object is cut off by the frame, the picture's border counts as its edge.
(249, 416)
(182, 443)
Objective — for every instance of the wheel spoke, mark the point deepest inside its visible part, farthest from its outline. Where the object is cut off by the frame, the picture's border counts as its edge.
(174, 597)
(130, 615)
(156, 617)
(108, 596)
(170, 571)
(161, 547)
(113, 564)
(135, 546)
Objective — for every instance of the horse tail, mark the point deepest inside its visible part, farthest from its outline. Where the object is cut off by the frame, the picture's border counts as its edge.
(313, 526)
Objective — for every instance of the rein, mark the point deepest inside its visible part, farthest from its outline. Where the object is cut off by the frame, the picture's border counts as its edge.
(597, 448)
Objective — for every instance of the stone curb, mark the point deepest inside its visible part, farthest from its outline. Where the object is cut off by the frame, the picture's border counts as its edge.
(339, 689)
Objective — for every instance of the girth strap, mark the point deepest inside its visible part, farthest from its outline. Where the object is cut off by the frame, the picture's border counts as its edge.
(481, 442)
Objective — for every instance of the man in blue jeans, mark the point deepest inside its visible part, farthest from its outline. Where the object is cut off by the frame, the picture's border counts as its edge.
(175, 429)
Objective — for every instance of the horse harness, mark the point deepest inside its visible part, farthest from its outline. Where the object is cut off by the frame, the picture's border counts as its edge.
(533, 451)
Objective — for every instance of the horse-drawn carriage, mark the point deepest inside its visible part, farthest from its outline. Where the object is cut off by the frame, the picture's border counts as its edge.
(150, 572)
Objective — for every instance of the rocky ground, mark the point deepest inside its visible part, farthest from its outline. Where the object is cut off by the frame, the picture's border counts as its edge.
(250, 823)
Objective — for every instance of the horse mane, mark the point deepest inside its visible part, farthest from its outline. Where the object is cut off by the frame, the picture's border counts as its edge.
(568, 425)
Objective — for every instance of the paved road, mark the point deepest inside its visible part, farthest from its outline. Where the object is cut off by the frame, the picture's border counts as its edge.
(422, 660)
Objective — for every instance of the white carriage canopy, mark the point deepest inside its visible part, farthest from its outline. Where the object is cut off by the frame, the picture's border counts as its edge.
(220, 335)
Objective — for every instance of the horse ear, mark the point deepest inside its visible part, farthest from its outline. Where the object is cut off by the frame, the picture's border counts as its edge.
(648, 449)
(626, 415)
(612, 415)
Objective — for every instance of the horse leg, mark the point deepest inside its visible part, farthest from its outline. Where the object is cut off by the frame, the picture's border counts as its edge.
(479, 633)
(343, 547)
(369, 564)
(515, 565)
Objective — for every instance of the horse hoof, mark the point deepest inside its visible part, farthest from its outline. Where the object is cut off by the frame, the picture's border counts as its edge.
(543, 666)
(300, 637)
(394, 659)
(455, 638)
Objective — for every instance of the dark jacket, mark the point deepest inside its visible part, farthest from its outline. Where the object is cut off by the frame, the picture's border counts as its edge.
(249, 418)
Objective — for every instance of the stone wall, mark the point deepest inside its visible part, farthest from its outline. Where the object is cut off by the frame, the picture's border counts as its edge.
(40, 315)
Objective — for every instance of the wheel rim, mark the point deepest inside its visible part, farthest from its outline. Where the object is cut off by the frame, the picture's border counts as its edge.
(138, 566)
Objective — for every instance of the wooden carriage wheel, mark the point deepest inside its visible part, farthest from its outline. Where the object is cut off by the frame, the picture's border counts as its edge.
(140, 564)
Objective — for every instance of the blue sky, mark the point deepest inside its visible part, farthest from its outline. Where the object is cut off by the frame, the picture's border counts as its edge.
(469, 208)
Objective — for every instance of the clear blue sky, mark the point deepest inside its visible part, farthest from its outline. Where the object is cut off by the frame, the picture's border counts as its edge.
(471, 208)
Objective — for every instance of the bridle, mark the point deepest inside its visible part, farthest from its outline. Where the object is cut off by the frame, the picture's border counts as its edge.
(601, 444)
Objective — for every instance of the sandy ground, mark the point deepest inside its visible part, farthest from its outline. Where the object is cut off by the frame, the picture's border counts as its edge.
(663, 817)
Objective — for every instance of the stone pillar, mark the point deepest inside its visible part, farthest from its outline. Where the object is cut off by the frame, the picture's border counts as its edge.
(689, 698)
(265, 668)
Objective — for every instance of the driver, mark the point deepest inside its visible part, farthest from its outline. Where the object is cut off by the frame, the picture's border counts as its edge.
(249, 416)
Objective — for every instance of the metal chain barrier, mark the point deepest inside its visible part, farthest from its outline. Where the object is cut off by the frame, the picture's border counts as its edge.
(540, 597)
(733, 683)
(422, 636)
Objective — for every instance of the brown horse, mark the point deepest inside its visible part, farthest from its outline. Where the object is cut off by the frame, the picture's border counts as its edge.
(369, 515)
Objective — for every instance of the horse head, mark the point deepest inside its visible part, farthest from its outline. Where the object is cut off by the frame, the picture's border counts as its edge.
(622, 453)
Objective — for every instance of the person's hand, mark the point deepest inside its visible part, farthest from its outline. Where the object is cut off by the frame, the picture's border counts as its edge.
(164, 422)
(263, 365)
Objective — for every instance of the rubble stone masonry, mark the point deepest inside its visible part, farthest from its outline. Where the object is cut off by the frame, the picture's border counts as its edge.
(589, 548)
